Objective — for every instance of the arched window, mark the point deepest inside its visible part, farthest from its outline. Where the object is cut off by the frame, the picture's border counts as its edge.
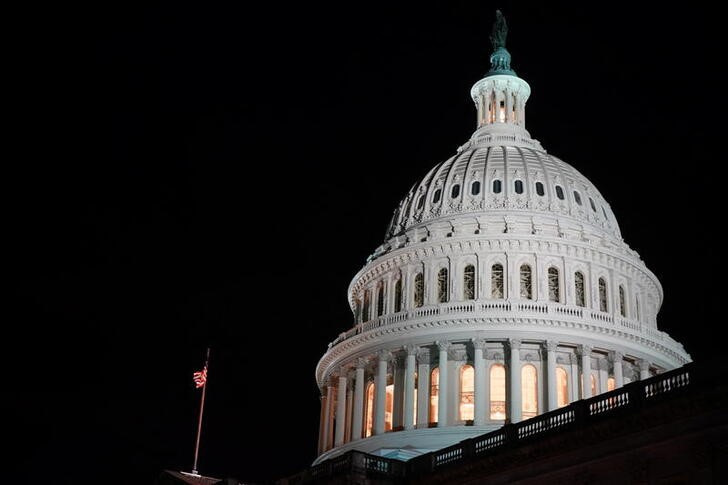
(469, 282)
(475, 188)
(380, 299)
(388, 407)
(497, 391)
(518, 185)
(414, 404)
(529, 391)
(434, 391)
(497, 187)
(591, 203)
(602, 295)
(605, 213)
(398, 295)
(579, 289)
(554, 289)
(622, 302)
(369, 412)
(455, 191)
(419, 290)
(467, 392)
(496, 281)
(593, 385)
(559, 192)
(539, 189)
(577, 197)
(442, 289)
(526, 287)
(421, 203)
(436, 196)
(562, 387)
(611, 384)
(365, 307)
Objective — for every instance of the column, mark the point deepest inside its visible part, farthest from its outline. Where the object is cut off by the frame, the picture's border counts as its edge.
(603, 374)
(423, 388)
(349, 409)
(340, 409)
(509, 106)
(617, 365)
(322, 422)
(409, 387)
(443, 391)
(380, 391)
(358, 413)
(514, 370)
(328, 423)
(480, 391)
(586, 372)
(551, 374)
(398, 378)
(644, 369)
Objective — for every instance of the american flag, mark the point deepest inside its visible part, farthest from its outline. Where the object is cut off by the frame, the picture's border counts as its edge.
(200, 377)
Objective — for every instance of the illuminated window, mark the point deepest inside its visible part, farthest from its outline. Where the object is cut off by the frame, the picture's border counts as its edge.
(502, 112)
(414, 404)
(497, 391)
(577, 197)
(579, 287)
(559, 192)
(496, 281)
(562, 387)
(622, 302)
(519, 186)
(455, 191)
(398, 295)
(602, 295)
(526, 287)
(475, 188)
(469, 282)
(442, 289)
(497, 187)
(539, 189)
(388, 407)
(554, 289)
(529, 391)
(591, 203)
(467, 392)
(380, 299)
(369, 412)
(419, 290)
(593, 385)
(434, 391)
(436, 197)
(611, 384)
(365, 307)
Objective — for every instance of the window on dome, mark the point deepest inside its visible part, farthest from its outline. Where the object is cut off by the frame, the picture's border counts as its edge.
(357, 310)
(529, 391)
(369, 412)
(519, 186)
(502, 112)
(475, 188)
(591, 203)
(559, 192)
(455, 191)
(622, 302)
(398, 295)
(580, 290)
(496, 281)
(365, 307)
(593, 381)
(380, 299)
(602, 295)
(539, 189)
(421, 203)
(414, 404)
(469, 282)
(434, 391)
(436, 196)
(442, 286)
(562, 387)
(419, 290)
(497, 187)
(577, 197)
(611, 384)
(388, 407)
(605, 213)
(554, 289)
(526, 286)
(467, 392)
(497, 391)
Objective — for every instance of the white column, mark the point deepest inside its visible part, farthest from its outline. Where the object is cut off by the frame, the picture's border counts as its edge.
(349, 409)
(423, 388)
(603, 375)
(644, 369)
(328, 424)
(586, 372)
(514, 371)
(322, 423)
(551, 374)
(442, 396)
(617, 364)
(479, 369)
(340, 409)
(380, 391)
(358, 414)
(409, 387)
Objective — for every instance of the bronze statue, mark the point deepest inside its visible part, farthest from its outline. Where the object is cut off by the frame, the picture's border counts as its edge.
(499, 32)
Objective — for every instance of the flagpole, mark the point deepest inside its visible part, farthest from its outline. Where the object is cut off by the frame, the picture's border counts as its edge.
(199, 422)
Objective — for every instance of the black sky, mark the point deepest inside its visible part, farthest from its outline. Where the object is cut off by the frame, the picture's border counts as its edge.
(194, 174)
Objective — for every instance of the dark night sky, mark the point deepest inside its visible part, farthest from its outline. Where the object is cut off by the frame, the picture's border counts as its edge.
(197, 174)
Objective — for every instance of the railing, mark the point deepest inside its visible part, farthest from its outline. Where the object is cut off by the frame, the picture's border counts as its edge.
(578, 414)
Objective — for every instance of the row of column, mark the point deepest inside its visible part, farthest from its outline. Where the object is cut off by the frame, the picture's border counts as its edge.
(342, 410)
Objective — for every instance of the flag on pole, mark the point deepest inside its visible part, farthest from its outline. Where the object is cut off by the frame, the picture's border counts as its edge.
(200, 377)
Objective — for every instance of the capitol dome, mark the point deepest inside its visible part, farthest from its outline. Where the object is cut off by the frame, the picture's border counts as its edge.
(503, 290)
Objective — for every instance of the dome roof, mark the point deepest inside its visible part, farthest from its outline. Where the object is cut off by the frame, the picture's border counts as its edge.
(499, 179)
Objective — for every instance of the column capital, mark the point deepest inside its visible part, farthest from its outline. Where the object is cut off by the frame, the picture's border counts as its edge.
(603, 364)
(333, 380)
(644, 365)
(514, 343)
(423, 356)
(361, 363)
(343, 371)
(585, 349)
(385, 355)
(478, 343)
(412, 349)
(616, 356)
(443, 345)
(551, 345)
